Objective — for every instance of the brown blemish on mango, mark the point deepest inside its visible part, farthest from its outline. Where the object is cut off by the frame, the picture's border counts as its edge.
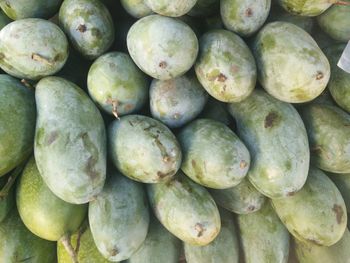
(270, 120)
(339, 212)
(200, 229)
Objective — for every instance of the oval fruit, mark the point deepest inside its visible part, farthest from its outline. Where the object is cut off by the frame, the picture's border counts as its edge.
(136, 8)
(171, 8)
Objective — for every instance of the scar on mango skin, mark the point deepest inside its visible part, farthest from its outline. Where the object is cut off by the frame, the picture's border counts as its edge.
(251, 208)
(114, 104)
(163, 64)
(319, 75)
(200, 229)
(42, 59)
(221, 77)
(270, 120)
(338, 210)
(249, 12)
(81, 28)
(114, 251)
(243, 164)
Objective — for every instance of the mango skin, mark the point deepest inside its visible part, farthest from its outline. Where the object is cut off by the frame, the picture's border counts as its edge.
(171, 8)
(263, 236)
(4, 19)
(186, 209)
(225, 66)
(89, 26)
(298, 74)
(316, 213)
(119, 218)
(342, 181)
(328, 129)
(262, 119)
(114, 76)
(162, 47)
(225, 247)
(244, 17)
(70, 141)
(32, 48)
(240, 199)
(160, 246)
(41, 211)
(136, 8)
(18, 244)
(157, 160)
(176, 102)
(213, 155)
(305, 8)
(7, 202)
(17, 123)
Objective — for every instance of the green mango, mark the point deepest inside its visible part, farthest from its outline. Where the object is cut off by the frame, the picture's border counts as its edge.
(308, 252)
(291, 66)
(144, 149)
(70, 141)
(160, 246)
(223, 249)
(119, 218)
(240, 199)
(162, 47)
(186, 209)
(136, 8)
(264, 238)
(8, 201)
(17, 122)
(205, 8)
(340, 80)
(217, 111)
(87, 251)
(225, 66)
(316, 213)
(18, 244)
(4, 19)
(171, 8)
(244, 17)
(277, 141)
(342, 181)
(41, 211)
(306, 7)
(213, 155)
(114, 78)
(328, 129)
(89, 26)
(177, 101)
(45, 55)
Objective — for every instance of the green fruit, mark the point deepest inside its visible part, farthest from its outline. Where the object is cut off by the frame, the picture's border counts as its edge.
(41, 211)
(70, 141)
(291, 67)
(6, 202)
(241, 199)
(177, 101)
(223, 249)
(144, 149)
(17, 123)
(316, 213)
(305, 7)
(136, 8)
(277, 141)
(170, 8)
(263, 236)
(4, 20)
(342, 181)
(18, 244)
(213, 155)
(89, 26)
(45, 55)
(328, 129)
(162, 47)
(87, 251)
(225, 66)
(119, 218)
(160, 246)
(216, 110)
(205, 8)
(244, 17)
(186, 209)
(114, 78)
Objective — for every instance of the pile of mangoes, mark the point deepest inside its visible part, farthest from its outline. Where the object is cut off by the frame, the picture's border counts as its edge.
(163, 131)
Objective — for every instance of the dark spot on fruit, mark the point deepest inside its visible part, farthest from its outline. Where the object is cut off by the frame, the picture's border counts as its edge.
(316, 150)
(319, 75)
(131, 124)
(200, 229)
(163, 175)
(251, 208)
(243, 164)
(90, 167)
(221, 77)
(163, 64)
(339, 212)
(96, 33)
(52, 137)
(92, 160)
(270, 120)
(114, 251)
(81, 28)
(249, 12)
(150, 127)
(291, 193)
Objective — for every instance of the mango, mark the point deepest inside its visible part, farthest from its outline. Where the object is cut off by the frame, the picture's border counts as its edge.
(8, 201)
(171, 8)
(342, 181)
(306, 7)
(136, 8)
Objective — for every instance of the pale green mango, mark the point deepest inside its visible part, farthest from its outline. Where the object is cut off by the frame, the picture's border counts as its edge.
(136, 8)
(170, 7)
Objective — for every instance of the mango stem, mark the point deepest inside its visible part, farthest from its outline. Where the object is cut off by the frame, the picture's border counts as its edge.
(115, 107)
(69, 248)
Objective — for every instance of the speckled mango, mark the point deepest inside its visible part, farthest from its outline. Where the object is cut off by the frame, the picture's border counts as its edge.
(170, 7)
(89, 26)
(316, 213)
(277, 141)
(240, 199)
(18, 244)
(4, 19)
(32, 48)
(291, 66)
(264, 238)
(144, 149)
(225, 66)
(213, 155)
(114, 78)
(223, 249)
(17, 123)
(41, 211)
(162, 47)
(70, 141)
(160, 246)
(305, 7)
(177, 101)
(328, 129)
(119, 218)
(6, 202)
(136, 8)
(342, 181)
(20, 9)
(205, 8)
(244, 17)
(186, 209)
